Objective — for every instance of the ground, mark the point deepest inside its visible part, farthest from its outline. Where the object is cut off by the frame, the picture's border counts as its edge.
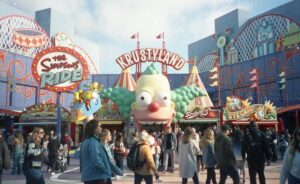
(72, 176)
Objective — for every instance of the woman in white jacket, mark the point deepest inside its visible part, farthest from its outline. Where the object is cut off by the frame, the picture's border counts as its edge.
(187, 157)
(291, 162)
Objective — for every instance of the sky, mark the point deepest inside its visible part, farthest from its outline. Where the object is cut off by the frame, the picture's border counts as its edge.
(110, 23)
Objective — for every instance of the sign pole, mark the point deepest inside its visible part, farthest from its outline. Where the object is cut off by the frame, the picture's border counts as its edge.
(58, 127)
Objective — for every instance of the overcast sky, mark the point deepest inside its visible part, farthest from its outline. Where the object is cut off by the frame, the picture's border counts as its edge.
(110, 23)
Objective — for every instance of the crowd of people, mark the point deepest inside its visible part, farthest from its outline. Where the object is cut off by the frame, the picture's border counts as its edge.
(102, 154)
(29, 153)
(229, 149)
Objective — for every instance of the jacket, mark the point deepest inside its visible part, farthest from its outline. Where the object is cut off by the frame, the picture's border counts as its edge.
(173, 140)
(149, 167)
(224, 152)
(4, 155)
(256, 146)
(290, 165)
(95, 162)
(187, 159)
(209, 156)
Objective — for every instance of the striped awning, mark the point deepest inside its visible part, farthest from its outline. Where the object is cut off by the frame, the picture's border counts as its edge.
(126, 80)
(194, 79)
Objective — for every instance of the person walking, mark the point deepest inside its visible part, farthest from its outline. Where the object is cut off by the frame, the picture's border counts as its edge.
(95, 162)
(18, 154)
(225, 156)
(169, 145)
(4, 156)
(187, 157)
(237, 140)
(148, 169)
(256, 147)
(53, 147)
(290, 166)
(119, 150)
(210, 161)
(34, 158)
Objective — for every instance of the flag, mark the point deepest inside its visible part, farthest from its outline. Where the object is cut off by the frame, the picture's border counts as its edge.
(214, 84)
(282, 81)
(282, 87)
(135, 35)
(161, 35)
(254, 85)
(253, 71)
(282, 74)
(215, 76)
(214, 69)
(254, 78)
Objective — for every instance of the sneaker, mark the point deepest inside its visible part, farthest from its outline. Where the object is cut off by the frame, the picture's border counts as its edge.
(53, 173)
(164, 171)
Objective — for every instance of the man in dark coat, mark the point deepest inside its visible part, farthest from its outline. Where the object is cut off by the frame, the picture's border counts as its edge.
(225, 156)
(257, 149)
(53, 147)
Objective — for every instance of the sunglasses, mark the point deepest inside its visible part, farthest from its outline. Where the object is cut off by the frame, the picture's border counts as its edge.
(41, 132)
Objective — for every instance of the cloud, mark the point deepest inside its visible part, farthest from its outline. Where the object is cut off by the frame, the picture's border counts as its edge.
(110, 23)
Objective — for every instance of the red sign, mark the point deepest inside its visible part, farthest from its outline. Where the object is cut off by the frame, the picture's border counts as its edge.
(149, 54)
(59, 69)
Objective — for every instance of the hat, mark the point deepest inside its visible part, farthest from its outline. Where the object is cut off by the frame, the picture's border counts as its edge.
(225, 127)
(143, 136)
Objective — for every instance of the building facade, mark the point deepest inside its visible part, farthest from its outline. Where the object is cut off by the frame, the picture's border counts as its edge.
(258, 58)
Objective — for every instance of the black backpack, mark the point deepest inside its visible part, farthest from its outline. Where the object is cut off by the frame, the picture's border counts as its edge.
(133, 159)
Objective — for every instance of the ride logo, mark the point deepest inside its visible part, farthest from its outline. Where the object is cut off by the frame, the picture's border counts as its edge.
(59, 69)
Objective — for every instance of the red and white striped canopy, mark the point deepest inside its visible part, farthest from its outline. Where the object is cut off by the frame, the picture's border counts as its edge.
(126, 80)
(194, 79)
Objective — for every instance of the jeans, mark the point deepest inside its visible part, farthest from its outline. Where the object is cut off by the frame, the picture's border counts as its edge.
(293, 180)
(195, 179)
(119, 160)
(230, 170)
(211, 175)
(34, 176)
(138, 179)
(17, 165)
(256, 168)
(167, 153)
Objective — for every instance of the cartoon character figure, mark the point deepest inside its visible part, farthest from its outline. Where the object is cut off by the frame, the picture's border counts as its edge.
(86, 103)
(153, 102)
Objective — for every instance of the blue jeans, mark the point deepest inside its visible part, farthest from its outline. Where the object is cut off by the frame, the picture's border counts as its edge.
(138, 179)
(34, 176)
(230, 170)
(293, 180)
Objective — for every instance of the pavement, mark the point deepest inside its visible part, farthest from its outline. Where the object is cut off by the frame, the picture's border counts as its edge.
(72, 176)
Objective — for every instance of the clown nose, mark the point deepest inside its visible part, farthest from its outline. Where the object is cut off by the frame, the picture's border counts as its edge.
(153, 107)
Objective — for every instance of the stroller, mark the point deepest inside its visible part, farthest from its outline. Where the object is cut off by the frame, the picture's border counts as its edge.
(61, 162)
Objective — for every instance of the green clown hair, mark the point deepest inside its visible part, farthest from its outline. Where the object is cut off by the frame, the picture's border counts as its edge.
(151, 70)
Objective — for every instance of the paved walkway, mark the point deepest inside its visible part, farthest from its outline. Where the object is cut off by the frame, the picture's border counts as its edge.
(72, 175)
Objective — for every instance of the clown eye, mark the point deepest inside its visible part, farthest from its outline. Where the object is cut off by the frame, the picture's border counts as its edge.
(143, 99)
(163, 99)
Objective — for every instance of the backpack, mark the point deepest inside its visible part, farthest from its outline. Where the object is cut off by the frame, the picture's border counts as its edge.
(133, 159)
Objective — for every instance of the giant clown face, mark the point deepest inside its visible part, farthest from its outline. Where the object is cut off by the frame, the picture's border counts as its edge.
(153, 103)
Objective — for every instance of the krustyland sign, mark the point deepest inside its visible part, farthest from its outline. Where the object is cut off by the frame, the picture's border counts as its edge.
(149, 54)
(59, 69)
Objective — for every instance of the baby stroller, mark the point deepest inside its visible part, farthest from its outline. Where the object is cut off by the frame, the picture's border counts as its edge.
(61, 163)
